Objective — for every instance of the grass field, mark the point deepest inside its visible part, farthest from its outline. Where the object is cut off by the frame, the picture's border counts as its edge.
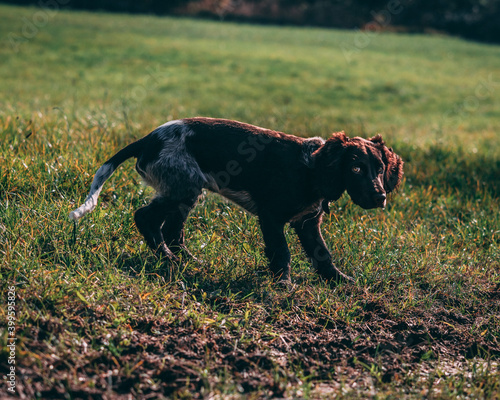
(95, 318)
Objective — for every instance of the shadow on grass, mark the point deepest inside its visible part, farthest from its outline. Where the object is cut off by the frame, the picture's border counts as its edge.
(193, 274)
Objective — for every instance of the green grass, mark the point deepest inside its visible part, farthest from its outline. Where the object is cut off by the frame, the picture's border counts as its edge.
(96, 316)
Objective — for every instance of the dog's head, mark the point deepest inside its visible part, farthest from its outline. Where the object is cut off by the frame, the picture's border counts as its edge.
(367, 169)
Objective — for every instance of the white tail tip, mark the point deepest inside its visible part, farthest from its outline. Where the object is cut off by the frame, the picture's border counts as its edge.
(75, 215)
(85, 208)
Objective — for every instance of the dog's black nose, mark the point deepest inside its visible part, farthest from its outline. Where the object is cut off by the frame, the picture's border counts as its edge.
(379, 199)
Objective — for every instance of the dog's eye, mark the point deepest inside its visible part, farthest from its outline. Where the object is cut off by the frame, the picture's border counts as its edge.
(356, 170)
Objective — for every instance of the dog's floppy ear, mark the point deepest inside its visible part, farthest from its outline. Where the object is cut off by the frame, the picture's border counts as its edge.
(393, 165)
(328, 163)
(393, 170)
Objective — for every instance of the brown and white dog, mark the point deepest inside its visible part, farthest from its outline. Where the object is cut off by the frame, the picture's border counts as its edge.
(280, 178)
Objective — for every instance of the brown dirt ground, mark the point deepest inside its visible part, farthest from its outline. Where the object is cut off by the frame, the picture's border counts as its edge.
(153, 358)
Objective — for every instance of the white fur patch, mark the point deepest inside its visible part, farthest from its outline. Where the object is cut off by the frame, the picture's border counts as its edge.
(90, 203)
(170, 123)
(309, 146)
(175, 172)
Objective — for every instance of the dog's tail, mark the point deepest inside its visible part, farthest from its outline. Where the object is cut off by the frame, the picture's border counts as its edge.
(102, 174)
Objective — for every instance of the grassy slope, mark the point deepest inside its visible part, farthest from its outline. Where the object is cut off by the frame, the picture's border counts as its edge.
(87, 84)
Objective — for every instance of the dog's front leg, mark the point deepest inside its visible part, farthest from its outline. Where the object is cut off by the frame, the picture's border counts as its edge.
(276, 248)
(309, 233)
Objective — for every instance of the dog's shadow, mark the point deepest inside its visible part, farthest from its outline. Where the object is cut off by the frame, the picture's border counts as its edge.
(190, 274)
(198, 279)
(140, 264)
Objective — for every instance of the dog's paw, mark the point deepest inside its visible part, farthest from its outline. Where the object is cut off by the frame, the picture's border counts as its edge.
(285, 284)
(334, 276)
(343, 278)
(165, 254)
(189, 258)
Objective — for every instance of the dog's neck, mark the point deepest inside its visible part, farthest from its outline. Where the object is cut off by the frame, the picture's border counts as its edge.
(326, 176)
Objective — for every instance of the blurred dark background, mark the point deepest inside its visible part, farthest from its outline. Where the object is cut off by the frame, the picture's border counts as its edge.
(471, 19)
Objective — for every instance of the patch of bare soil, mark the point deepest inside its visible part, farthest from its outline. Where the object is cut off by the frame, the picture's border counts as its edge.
(155, 358)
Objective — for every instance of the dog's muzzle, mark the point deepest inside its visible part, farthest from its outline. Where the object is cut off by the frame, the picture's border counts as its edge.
(380, 200)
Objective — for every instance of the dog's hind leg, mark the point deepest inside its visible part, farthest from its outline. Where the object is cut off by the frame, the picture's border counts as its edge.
(173, 228)
(149, 220)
